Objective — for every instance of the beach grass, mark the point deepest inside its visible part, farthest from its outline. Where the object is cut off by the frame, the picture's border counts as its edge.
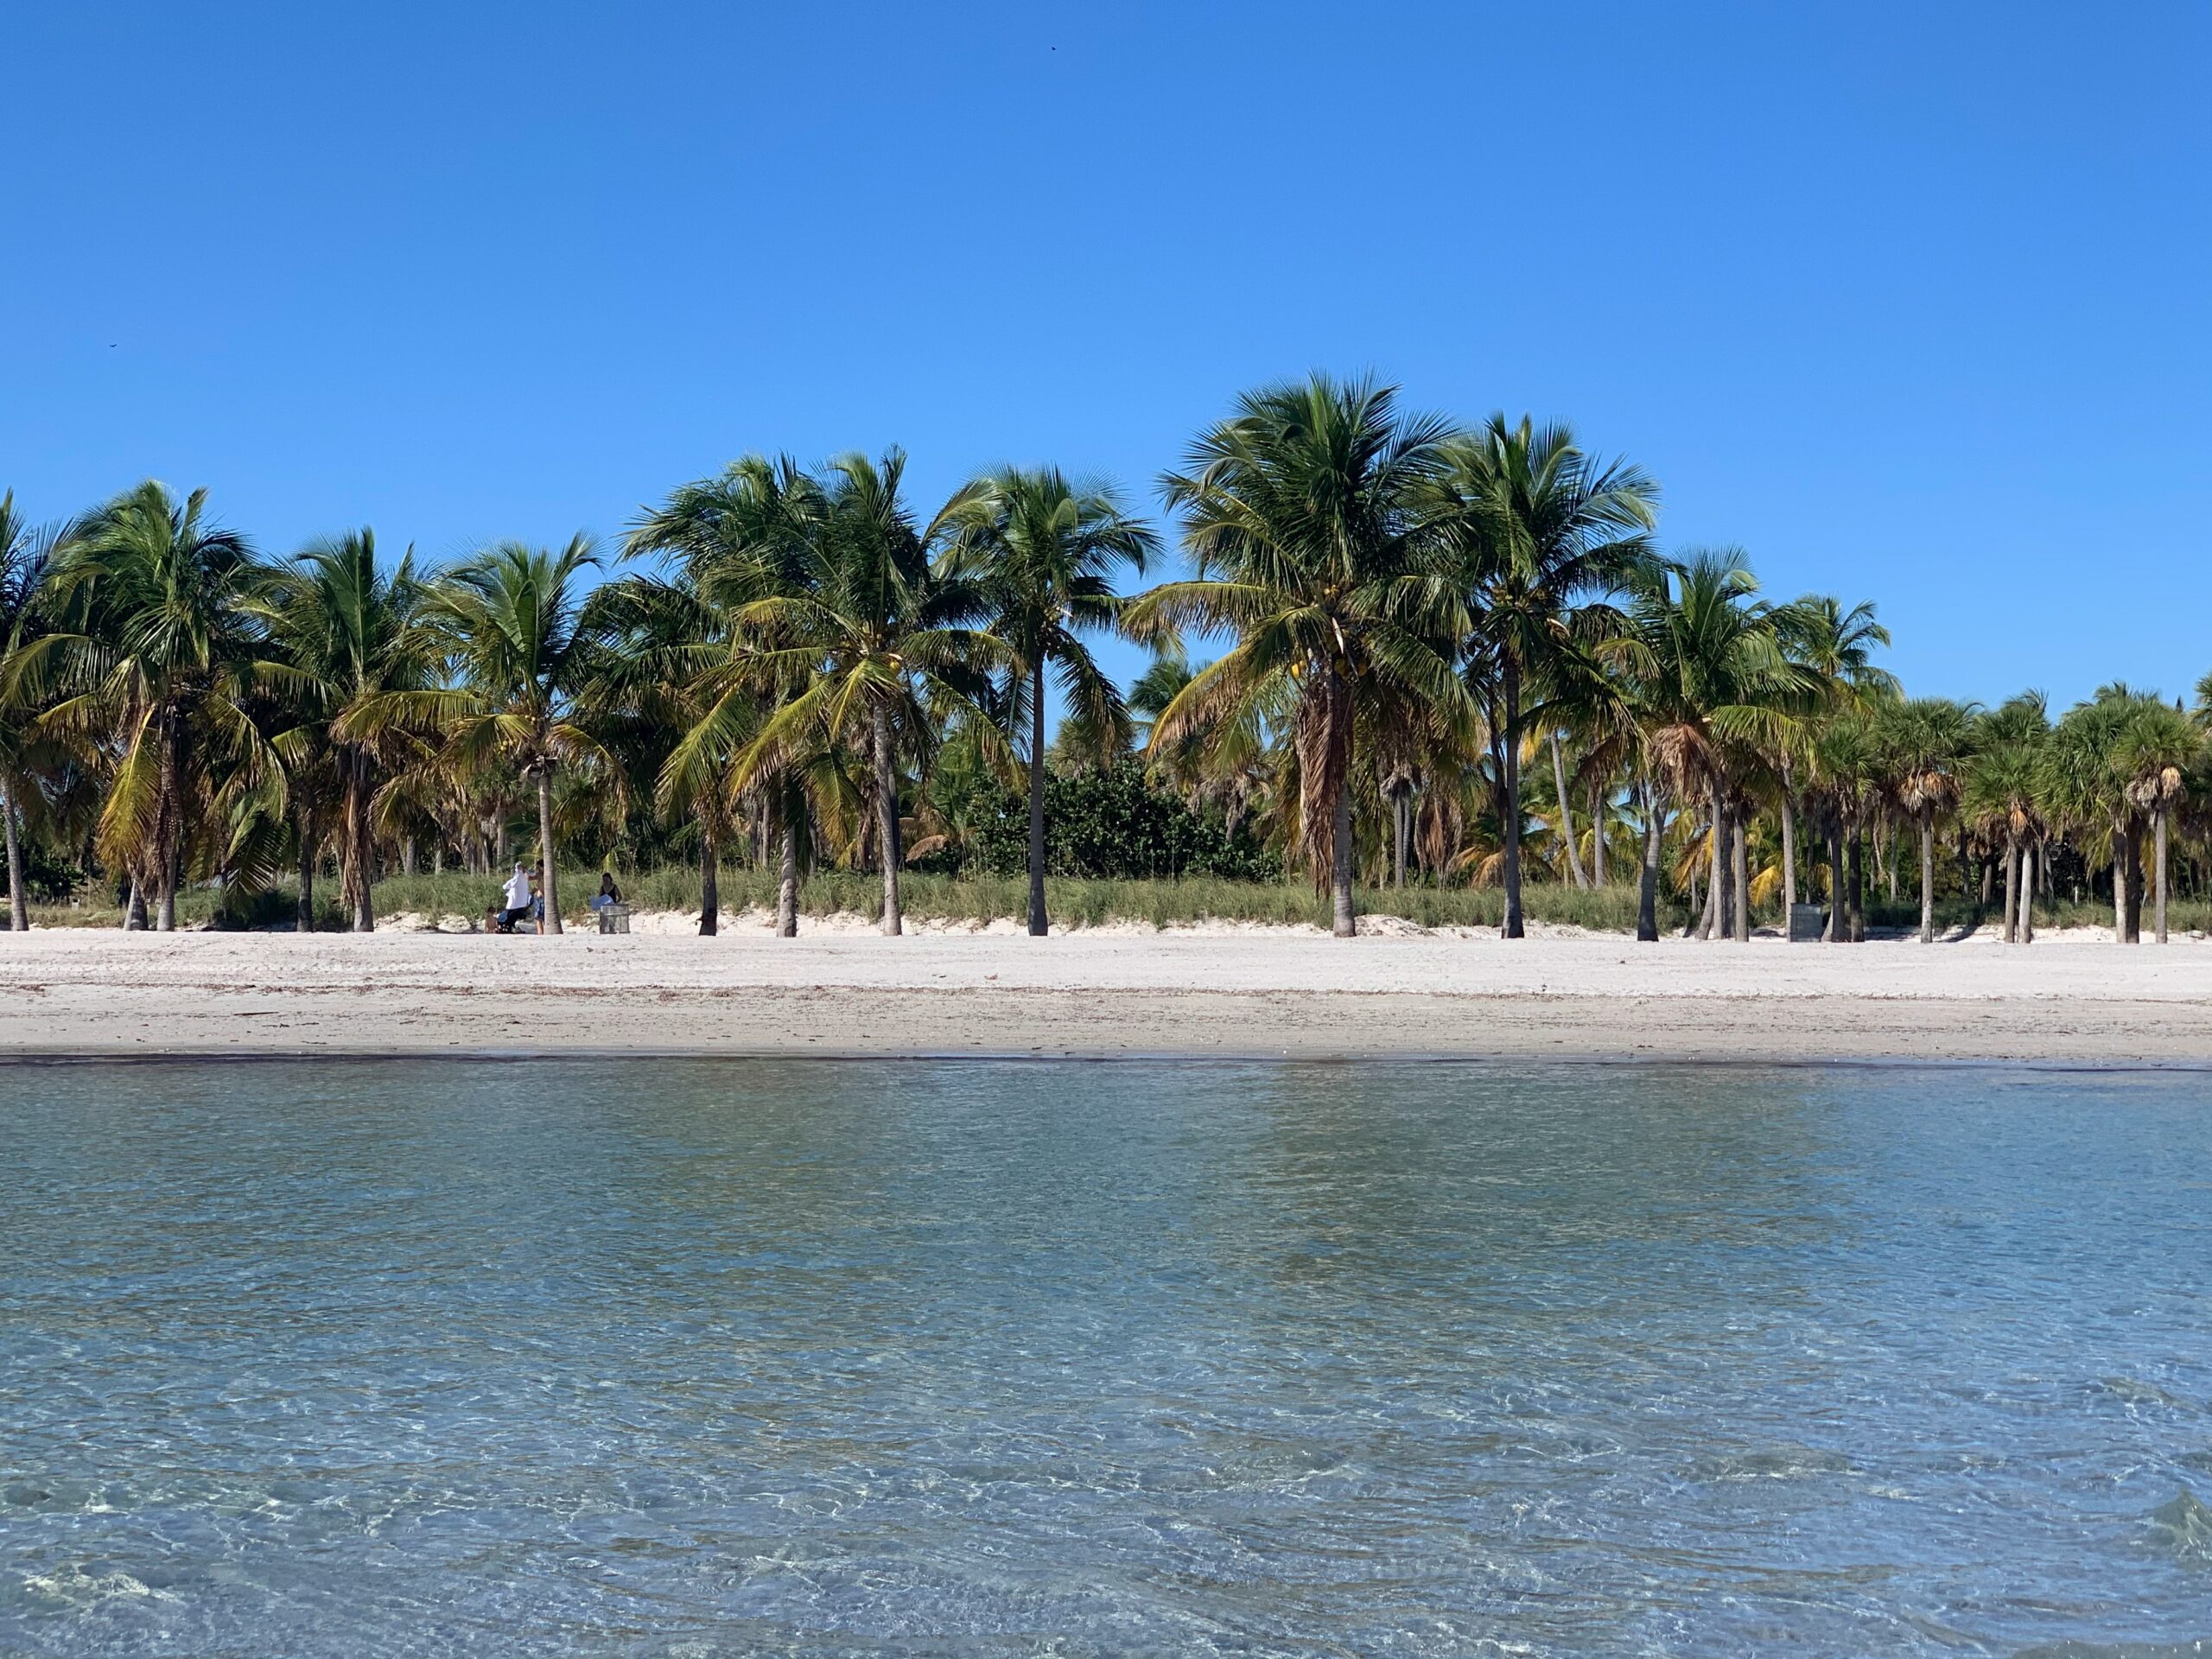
(1072, 902)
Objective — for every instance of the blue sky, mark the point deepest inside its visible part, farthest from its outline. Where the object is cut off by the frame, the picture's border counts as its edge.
(1909, 301)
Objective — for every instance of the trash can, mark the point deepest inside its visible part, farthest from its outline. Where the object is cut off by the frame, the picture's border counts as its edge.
(1805, 924)
(615, 919)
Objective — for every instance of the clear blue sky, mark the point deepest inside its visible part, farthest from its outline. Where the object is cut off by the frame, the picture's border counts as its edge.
(1910, 301)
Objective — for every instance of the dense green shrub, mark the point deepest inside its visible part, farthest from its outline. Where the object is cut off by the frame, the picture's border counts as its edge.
(1113, 825)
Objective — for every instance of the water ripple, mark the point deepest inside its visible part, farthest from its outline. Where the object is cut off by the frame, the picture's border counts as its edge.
(687, 1358)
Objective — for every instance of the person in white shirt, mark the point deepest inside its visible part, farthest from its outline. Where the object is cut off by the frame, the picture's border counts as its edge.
(517, 897)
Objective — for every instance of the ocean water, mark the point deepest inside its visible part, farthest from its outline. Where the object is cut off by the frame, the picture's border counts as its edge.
(677, 1357)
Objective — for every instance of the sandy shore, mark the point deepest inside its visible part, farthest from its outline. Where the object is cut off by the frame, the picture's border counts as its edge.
(1118, 992)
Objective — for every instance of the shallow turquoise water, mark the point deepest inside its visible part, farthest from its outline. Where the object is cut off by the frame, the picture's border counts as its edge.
(690, 1357)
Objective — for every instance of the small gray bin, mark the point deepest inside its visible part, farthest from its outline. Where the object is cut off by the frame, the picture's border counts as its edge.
(1805, 923)
(614, 919)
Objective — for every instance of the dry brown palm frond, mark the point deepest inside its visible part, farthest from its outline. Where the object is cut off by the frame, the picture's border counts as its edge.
(1683, 756)
(1439, 828)
(1486, 865)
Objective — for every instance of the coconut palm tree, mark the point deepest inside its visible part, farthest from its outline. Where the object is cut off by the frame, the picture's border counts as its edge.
(662, 643)
(1149, 697)
(755, 531)
(1538, 530)
(1301, 512)
(1042, 555)
(509, 619)
(876, 645)
(155, 654)
(26, 551)
(1709, 681)
(1925, 741)
(1838, 647)
(352, 632)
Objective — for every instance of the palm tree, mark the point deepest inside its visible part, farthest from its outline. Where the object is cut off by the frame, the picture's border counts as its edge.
(25, 553)
(509, 618)
(354, 633)
(155, 653)
(2001, 793)
(664, 644)
(2158, 751)
(755, 531)
(1848, 772)
(1150, 694)
(2086, 788)
(1302, 514)
(1707, 680)
(1838, 647)
(872, 640)
(1043, 554)
(1924, 741)
(1537, 528)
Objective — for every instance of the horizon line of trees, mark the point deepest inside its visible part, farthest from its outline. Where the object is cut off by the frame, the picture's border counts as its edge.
(1452, 654)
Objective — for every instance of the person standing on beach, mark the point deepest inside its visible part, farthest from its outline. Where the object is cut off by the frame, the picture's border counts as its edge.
(517, 897)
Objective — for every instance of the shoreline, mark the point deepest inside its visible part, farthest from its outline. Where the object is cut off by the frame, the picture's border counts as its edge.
(1230, 994)
(33, 1058)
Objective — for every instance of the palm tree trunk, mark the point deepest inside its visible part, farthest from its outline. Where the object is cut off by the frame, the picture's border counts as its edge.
(1039, 925)
(2134, 884)
(2012, 890)
(1514, 928)
(1858, 934)
(19, 904)
(1400, 824)
(167, 813)
(887, 819)
(303, 918)
(1837, 931)
(2027, 918)
(1789, 853)
(133, 908)
(2119, 883)
(2158, 834)
(551, 889)
(1647, 885)
(1739, 879)
(1566, 814)
(365, 858)
(1597, 835)
(1716, 849)
(787, 885)
(360, 911)
(710, 878)
(1927, 875)
(1345, 922)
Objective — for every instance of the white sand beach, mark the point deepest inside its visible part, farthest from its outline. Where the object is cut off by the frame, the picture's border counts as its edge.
(1222, 990)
